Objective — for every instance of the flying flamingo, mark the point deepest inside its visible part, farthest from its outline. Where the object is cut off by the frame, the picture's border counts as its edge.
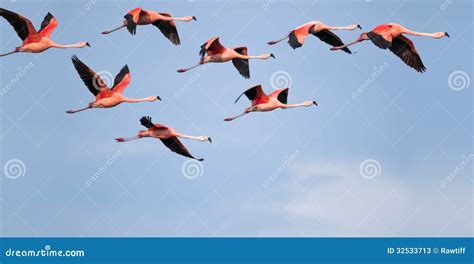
(264, 103)
(167, 135)
(35, 41)
(297, 36)
(391, 36)
(105, 97)
(163, 21)
(213, 51)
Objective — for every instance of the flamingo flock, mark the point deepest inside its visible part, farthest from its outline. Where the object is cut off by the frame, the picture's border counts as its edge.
(389, 36)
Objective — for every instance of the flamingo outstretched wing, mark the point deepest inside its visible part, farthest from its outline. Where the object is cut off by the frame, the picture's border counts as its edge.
(23, 27)
(176, 146)
(121, 80)
(381, 36)
(332, 39)
(242, 65)
(255, 94)
(281, 95)
(48, 25)
(91, 79)
(132, 19)
(211, 47)
(168, 28)
(405, 50)
(297, 36)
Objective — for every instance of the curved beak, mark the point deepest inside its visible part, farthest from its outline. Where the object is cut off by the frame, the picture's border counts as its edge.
(271, 55)
(316, 104)
(446, 34)
(210, 140)
(87, 44)
(194, 18)
(359, 26)
(158, 98)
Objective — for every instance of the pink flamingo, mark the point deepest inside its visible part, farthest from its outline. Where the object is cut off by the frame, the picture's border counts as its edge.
(163, 21)
(105, 97)
(264, 103)
(213, 51)
(391, 36)
(167, 135)
(297, 36)
(35, 41)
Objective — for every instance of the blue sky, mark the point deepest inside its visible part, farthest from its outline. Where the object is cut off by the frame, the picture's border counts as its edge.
(283, 173)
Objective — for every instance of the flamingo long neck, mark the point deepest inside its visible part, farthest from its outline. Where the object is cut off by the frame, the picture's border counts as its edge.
(293, 105)
(421, 34)
(66, 46)
(359, 39)
(131, 138)
(342, 28)
(79, 110)
(189, 137)
(260, 57)
(192, 67)
(131, 100)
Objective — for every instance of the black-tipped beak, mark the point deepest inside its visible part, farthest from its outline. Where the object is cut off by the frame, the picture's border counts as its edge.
(210, 140)
(359, 26)
(87, 44)
(158, 98)
(314, 102)
(271, 55)
(447, 35)
(194, 18)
